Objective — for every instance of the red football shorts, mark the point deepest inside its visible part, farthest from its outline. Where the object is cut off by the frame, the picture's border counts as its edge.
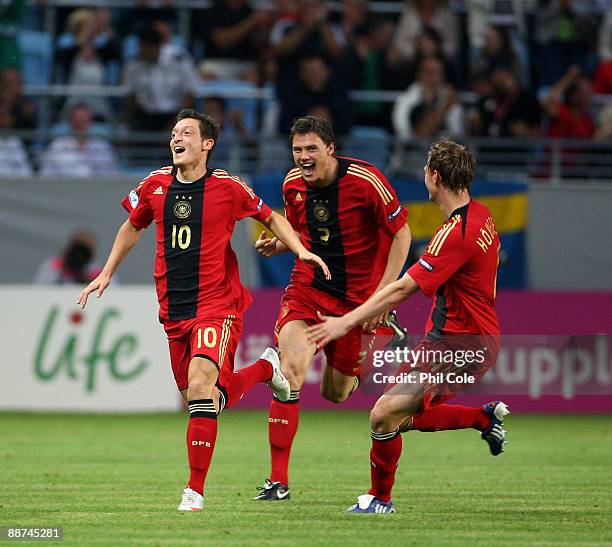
(434, 358)
(301, 303)
(215, 338)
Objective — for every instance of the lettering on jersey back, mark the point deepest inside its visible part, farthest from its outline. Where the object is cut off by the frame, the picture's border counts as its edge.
(487, 235)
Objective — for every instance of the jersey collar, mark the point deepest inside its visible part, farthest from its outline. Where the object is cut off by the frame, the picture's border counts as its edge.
(343, 165)
(462, 212)
(207, 174)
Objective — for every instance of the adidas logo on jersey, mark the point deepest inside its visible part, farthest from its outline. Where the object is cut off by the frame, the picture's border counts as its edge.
(298, 197)
(158, 191)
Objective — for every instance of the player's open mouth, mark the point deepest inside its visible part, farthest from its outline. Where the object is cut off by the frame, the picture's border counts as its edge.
(307, 168)
(179, 149)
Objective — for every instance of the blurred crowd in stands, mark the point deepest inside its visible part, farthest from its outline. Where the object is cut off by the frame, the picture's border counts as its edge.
(508, 68)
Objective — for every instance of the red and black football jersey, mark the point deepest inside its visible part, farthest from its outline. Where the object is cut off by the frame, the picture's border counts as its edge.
(196, 270)
(459, 268)
(350, 224)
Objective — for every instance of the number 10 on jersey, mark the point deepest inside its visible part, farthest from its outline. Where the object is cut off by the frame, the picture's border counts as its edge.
(181, 235)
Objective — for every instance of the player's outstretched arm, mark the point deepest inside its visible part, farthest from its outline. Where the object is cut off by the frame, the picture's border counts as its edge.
(281, 228)
(127, 237)
(398, 253)
(332, 328)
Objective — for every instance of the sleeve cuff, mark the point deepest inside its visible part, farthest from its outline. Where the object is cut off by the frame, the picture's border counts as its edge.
(416, 272)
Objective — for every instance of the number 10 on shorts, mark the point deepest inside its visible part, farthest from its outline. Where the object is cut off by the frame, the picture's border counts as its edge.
(208, 336)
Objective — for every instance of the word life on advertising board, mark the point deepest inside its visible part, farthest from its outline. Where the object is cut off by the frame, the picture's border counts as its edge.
(555, 354)
(112, 356)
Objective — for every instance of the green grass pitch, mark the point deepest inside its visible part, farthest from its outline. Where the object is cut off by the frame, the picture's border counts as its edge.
(116, 480)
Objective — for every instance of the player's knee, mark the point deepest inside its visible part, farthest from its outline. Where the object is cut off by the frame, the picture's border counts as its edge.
(202, 378)
(381, 419)
(294, 373)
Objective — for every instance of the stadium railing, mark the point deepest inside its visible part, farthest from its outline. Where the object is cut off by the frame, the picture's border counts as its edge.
(536, 160)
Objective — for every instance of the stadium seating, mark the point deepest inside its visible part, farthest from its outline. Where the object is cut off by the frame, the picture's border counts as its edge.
(37, 52)
(369, 143)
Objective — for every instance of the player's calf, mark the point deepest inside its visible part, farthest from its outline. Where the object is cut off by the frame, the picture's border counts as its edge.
(336, 394)
(337, 387)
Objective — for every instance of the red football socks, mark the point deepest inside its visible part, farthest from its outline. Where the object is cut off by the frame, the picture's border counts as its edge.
(282, 427)
(244, 379)
(201, 437)
(384, 457)
(446, 417)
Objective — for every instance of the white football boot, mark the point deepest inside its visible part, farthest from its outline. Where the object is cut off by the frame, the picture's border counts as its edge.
(278, 382)
(191, 501)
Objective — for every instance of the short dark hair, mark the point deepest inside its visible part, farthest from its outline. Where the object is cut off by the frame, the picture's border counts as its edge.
(313, 124)
(209, 128)
(454, 162)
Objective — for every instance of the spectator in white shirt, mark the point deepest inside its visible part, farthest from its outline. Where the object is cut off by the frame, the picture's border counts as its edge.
(14, 159)
(429, 106)
(79, 154)
(159, 85)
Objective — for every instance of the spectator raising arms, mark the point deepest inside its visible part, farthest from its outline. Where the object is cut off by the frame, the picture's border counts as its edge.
(419, 14)
(306, 32)
(429, 106)
(234, 34)
(85, 57)
(567, 105)
(509, 110)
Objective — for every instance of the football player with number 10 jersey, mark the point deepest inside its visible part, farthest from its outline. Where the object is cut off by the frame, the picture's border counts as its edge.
(201, 299)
